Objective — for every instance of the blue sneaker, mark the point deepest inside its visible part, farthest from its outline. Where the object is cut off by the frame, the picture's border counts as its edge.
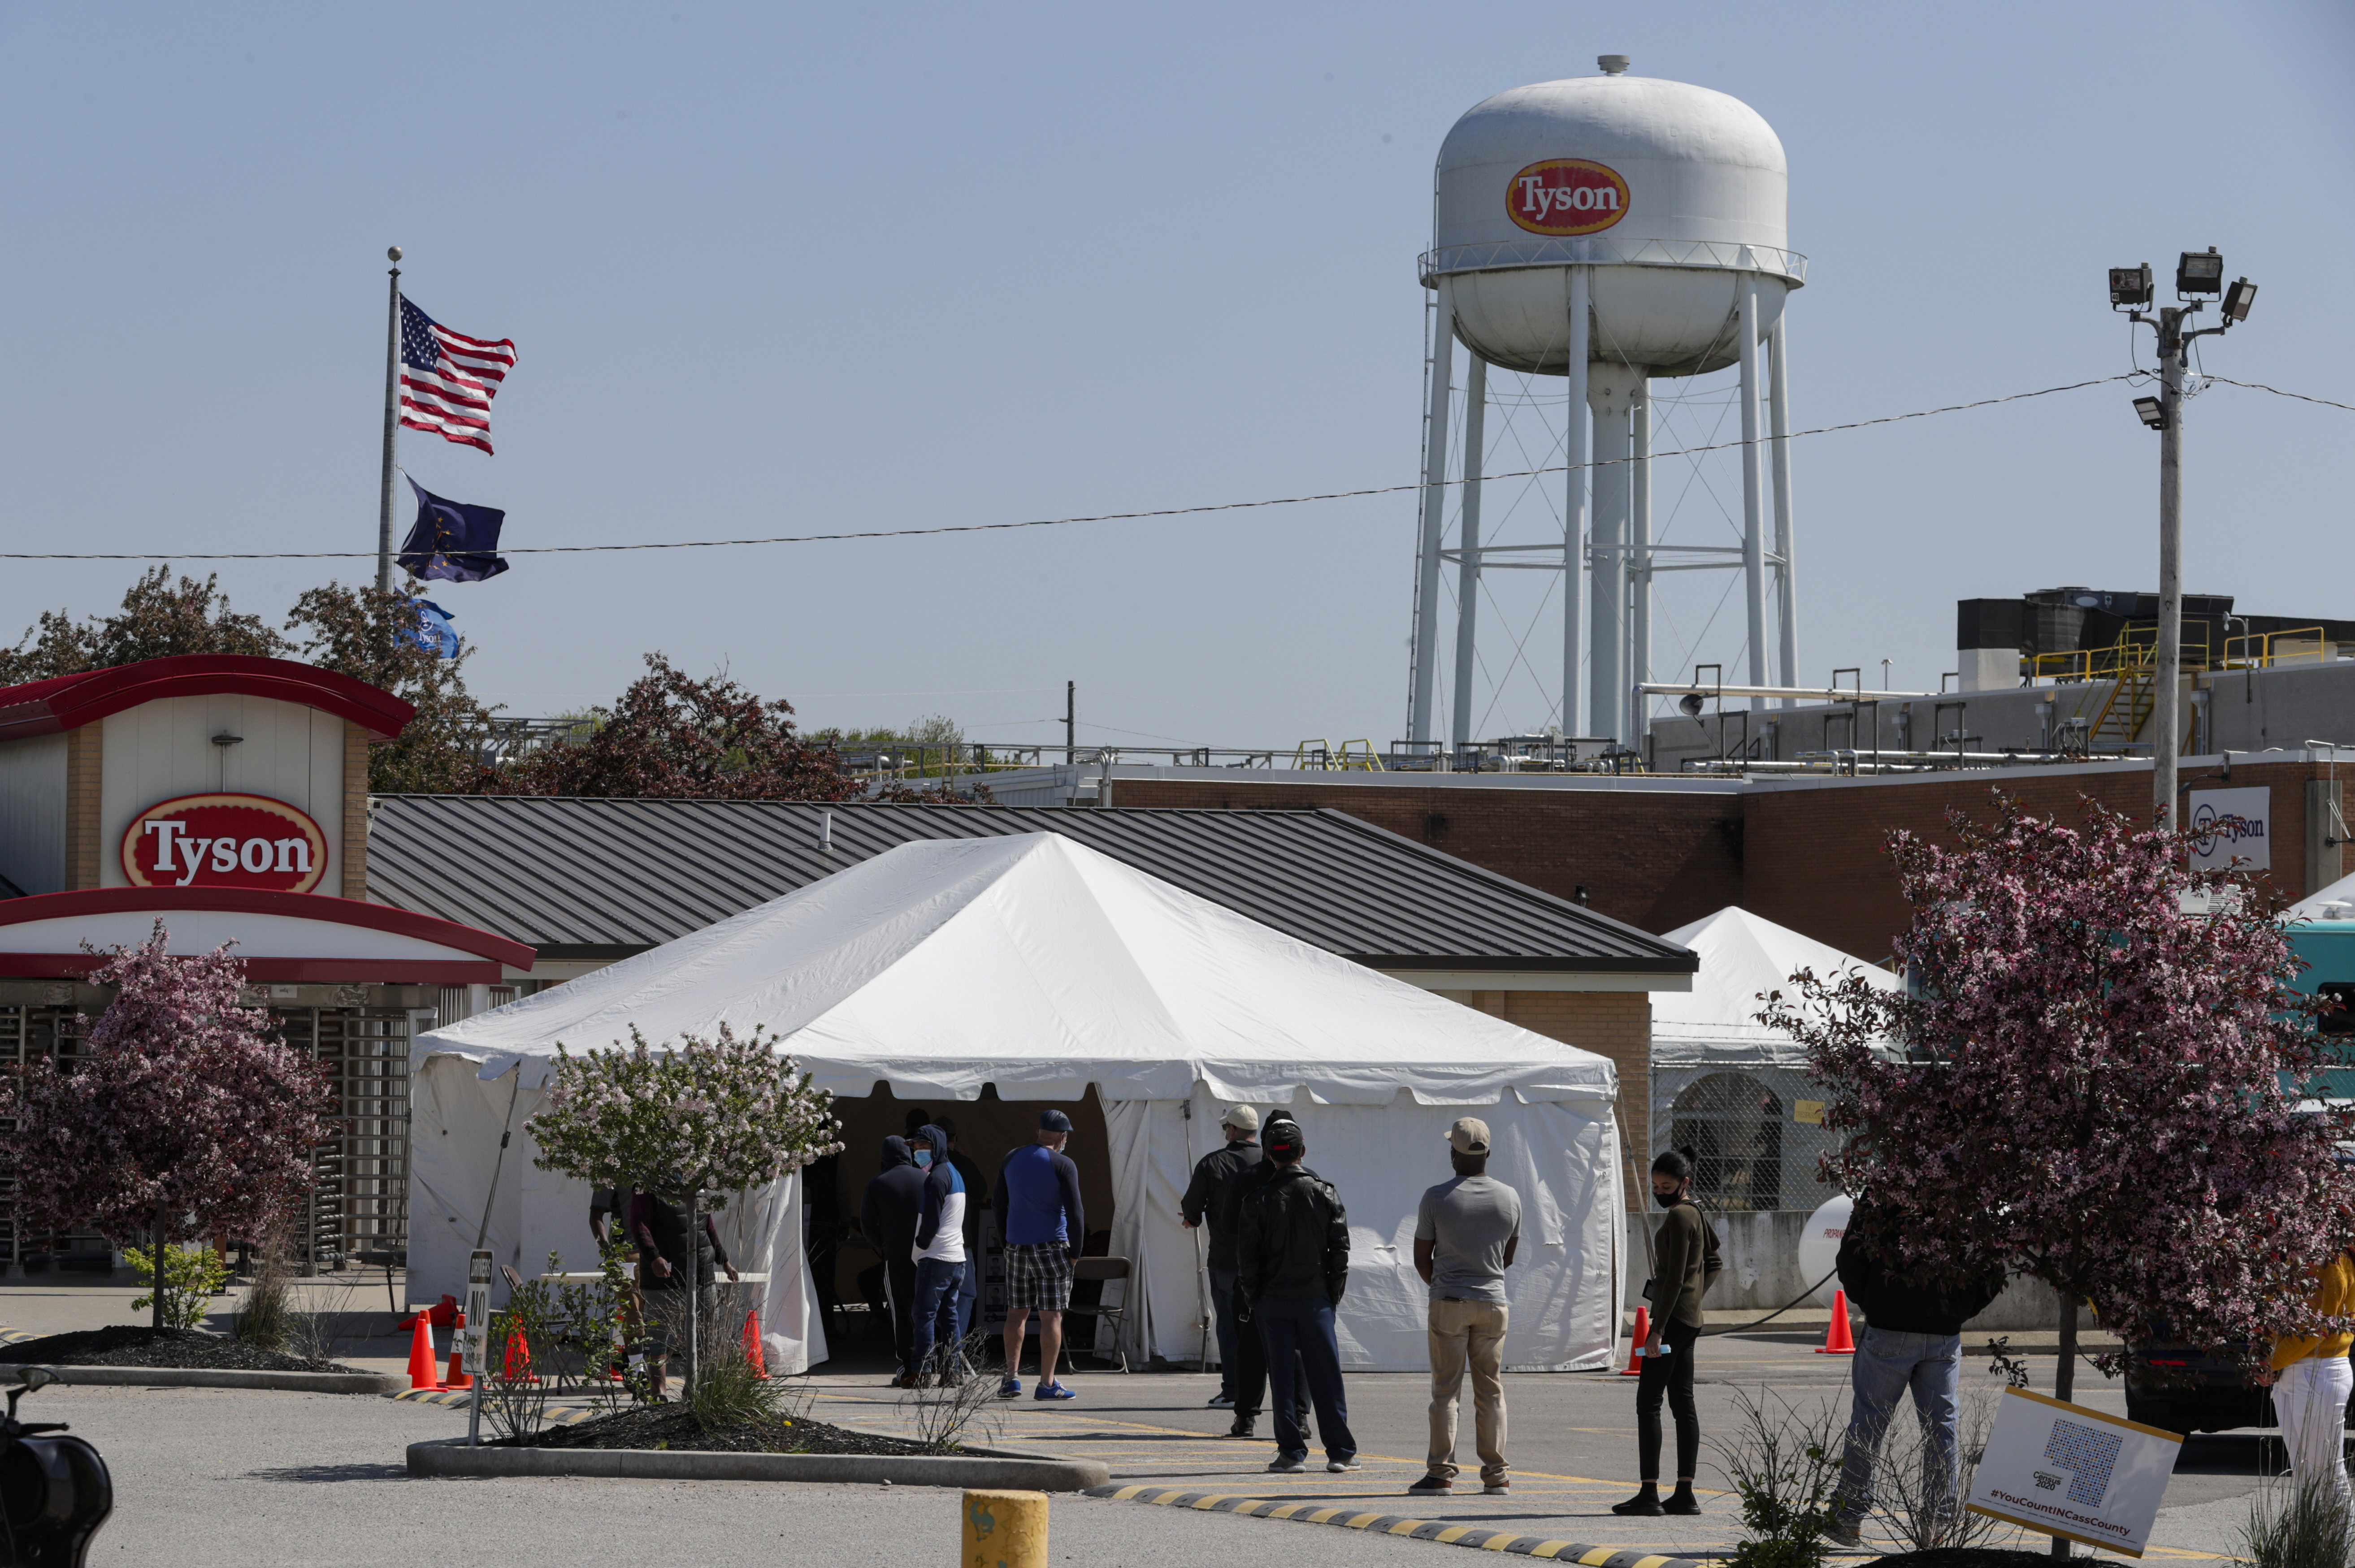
(1054, 1391)
(1010, 1389)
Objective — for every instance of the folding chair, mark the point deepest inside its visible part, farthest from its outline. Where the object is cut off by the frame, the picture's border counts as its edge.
(1099, 1273)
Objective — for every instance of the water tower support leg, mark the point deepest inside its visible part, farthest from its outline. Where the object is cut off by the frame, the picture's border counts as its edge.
(1467, 572)
(1786, 573)
(1573, 510)
(1419, 716)
(1754, 520)
(1614, 445)
(1639, 560)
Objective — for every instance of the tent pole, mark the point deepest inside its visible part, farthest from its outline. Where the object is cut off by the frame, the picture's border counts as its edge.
(507, 1130)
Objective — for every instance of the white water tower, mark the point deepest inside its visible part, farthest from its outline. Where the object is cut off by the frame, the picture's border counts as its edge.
(1612, 230)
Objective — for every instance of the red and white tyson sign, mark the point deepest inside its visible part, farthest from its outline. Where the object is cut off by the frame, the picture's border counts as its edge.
(225, 841)
(1566, 196)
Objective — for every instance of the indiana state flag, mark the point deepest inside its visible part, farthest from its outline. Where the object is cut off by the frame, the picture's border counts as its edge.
(451, 541)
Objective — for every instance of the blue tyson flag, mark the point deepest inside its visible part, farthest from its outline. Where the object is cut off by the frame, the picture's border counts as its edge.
(451, 541)
(434, 633)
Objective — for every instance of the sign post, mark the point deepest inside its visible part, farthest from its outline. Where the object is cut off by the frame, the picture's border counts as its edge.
(478, 1336)
(2075, 1474)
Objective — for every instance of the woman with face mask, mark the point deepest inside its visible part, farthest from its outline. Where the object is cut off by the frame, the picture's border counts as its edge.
(1685, 1265)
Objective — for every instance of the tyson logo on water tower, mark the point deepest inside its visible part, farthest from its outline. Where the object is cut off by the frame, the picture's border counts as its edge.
(1566, 196)
(225, 841)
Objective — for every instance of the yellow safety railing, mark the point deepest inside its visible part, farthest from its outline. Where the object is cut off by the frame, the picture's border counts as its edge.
(1364, 761)
(2259, 652)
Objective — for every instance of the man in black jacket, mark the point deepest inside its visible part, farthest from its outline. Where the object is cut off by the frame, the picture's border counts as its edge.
(1203, 1203)
(1913, 1341)
(1251, 1378)
(887, 1218)
(1293, 1258)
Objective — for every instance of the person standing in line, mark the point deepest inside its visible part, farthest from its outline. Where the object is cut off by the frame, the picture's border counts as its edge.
(976, 1199)
(1465, 1234)
(1293, 1258)
(1913, 1340)
(1201, 1205)
(1252, 1380)
(2311, 1383)
(671, 1265)
(1038, 1214)
(939, 1252)
(886, 1217)
(1685, 1265)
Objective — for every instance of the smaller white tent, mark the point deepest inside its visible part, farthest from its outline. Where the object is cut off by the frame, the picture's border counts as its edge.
(1042, 967)
(2336, 901)
(1711, 1033)
(1742, 956)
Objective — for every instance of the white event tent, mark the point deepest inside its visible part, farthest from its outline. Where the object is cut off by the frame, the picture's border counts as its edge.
(1040, 966)
(1715, 1027)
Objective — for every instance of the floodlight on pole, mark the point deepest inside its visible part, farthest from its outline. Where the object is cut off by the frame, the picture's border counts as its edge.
(2197, 272)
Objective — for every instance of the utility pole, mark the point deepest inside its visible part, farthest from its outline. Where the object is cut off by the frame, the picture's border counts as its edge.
(2167, 736)
(2199, 275)
(1071, 722)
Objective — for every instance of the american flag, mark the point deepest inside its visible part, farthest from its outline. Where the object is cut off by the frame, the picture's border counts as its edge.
(448, 380)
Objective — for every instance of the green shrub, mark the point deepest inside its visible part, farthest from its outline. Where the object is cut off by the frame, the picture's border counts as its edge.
(192, 1275)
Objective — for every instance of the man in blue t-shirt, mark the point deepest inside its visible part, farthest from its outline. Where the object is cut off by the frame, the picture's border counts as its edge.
(1038, 1213)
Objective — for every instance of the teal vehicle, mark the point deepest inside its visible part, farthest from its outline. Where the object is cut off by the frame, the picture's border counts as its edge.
(2328, 948)
(2215, 1397)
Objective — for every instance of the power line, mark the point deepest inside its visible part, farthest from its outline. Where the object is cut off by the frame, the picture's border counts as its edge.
(1061, 522)
(2276, 391)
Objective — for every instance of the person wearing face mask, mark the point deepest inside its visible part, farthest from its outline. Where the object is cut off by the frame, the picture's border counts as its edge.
(1685, 1265)
(888, 1216)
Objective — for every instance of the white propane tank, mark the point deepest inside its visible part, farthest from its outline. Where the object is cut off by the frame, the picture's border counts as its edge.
(1820, 1246)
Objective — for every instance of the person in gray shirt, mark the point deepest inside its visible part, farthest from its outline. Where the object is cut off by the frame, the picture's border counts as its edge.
(1465, 1237)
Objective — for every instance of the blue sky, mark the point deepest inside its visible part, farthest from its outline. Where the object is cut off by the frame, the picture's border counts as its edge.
(804, 269)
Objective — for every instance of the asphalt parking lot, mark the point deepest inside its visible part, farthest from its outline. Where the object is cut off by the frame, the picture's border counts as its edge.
(237, 1477)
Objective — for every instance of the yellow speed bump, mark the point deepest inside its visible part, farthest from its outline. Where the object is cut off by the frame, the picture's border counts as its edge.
(1005, 1530)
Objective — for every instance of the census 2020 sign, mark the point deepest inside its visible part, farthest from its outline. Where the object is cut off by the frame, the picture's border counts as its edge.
(2062, 1469)
(1566, 196)
(225, 841)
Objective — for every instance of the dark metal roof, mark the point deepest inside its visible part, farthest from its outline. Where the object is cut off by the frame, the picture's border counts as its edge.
(602, 878)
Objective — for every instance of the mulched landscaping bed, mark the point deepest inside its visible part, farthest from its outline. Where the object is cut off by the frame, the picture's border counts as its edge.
(674, 1426)
(1972, 1557)
(123, 1345)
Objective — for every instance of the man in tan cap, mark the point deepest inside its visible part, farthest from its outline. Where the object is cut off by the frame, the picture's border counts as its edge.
(1202, 1205)
(1466, 1233)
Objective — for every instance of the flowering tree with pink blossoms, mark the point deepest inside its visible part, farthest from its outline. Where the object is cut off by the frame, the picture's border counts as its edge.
(180, 1118)
(2083, 1082)
(694, 1119)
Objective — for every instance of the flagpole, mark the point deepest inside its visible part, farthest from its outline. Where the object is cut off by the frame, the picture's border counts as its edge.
(391, 427)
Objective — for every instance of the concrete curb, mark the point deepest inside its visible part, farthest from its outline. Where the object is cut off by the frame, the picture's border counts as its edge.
(208, 1377)
(1351, 1518)
(451, 1456)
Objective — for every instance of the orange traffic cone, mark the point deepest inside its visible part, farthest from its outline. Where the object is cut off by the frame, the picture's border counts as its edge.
(752, 1345)
(457, 1376)
(1634, 1367)
(1837, 1341)
(518, 1367)
(420, 1357)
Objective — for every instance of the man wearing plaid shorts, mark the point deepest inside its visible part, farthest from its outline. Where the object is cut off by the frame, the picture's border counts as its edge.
(1038, 1204)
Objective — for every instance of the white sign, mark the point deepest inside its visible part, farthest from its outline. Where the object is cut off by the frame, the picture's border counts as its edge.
(2234, 827)
(2062, 1469)
(478, 1313)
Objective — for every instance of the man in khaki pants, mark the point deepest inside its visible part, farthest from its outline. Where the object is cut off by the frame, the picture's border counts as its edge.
(1465, 1237)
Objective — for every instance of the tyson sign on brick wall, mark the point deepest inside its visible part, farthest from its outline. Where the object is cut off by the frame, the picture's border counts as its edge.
(225, 841)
